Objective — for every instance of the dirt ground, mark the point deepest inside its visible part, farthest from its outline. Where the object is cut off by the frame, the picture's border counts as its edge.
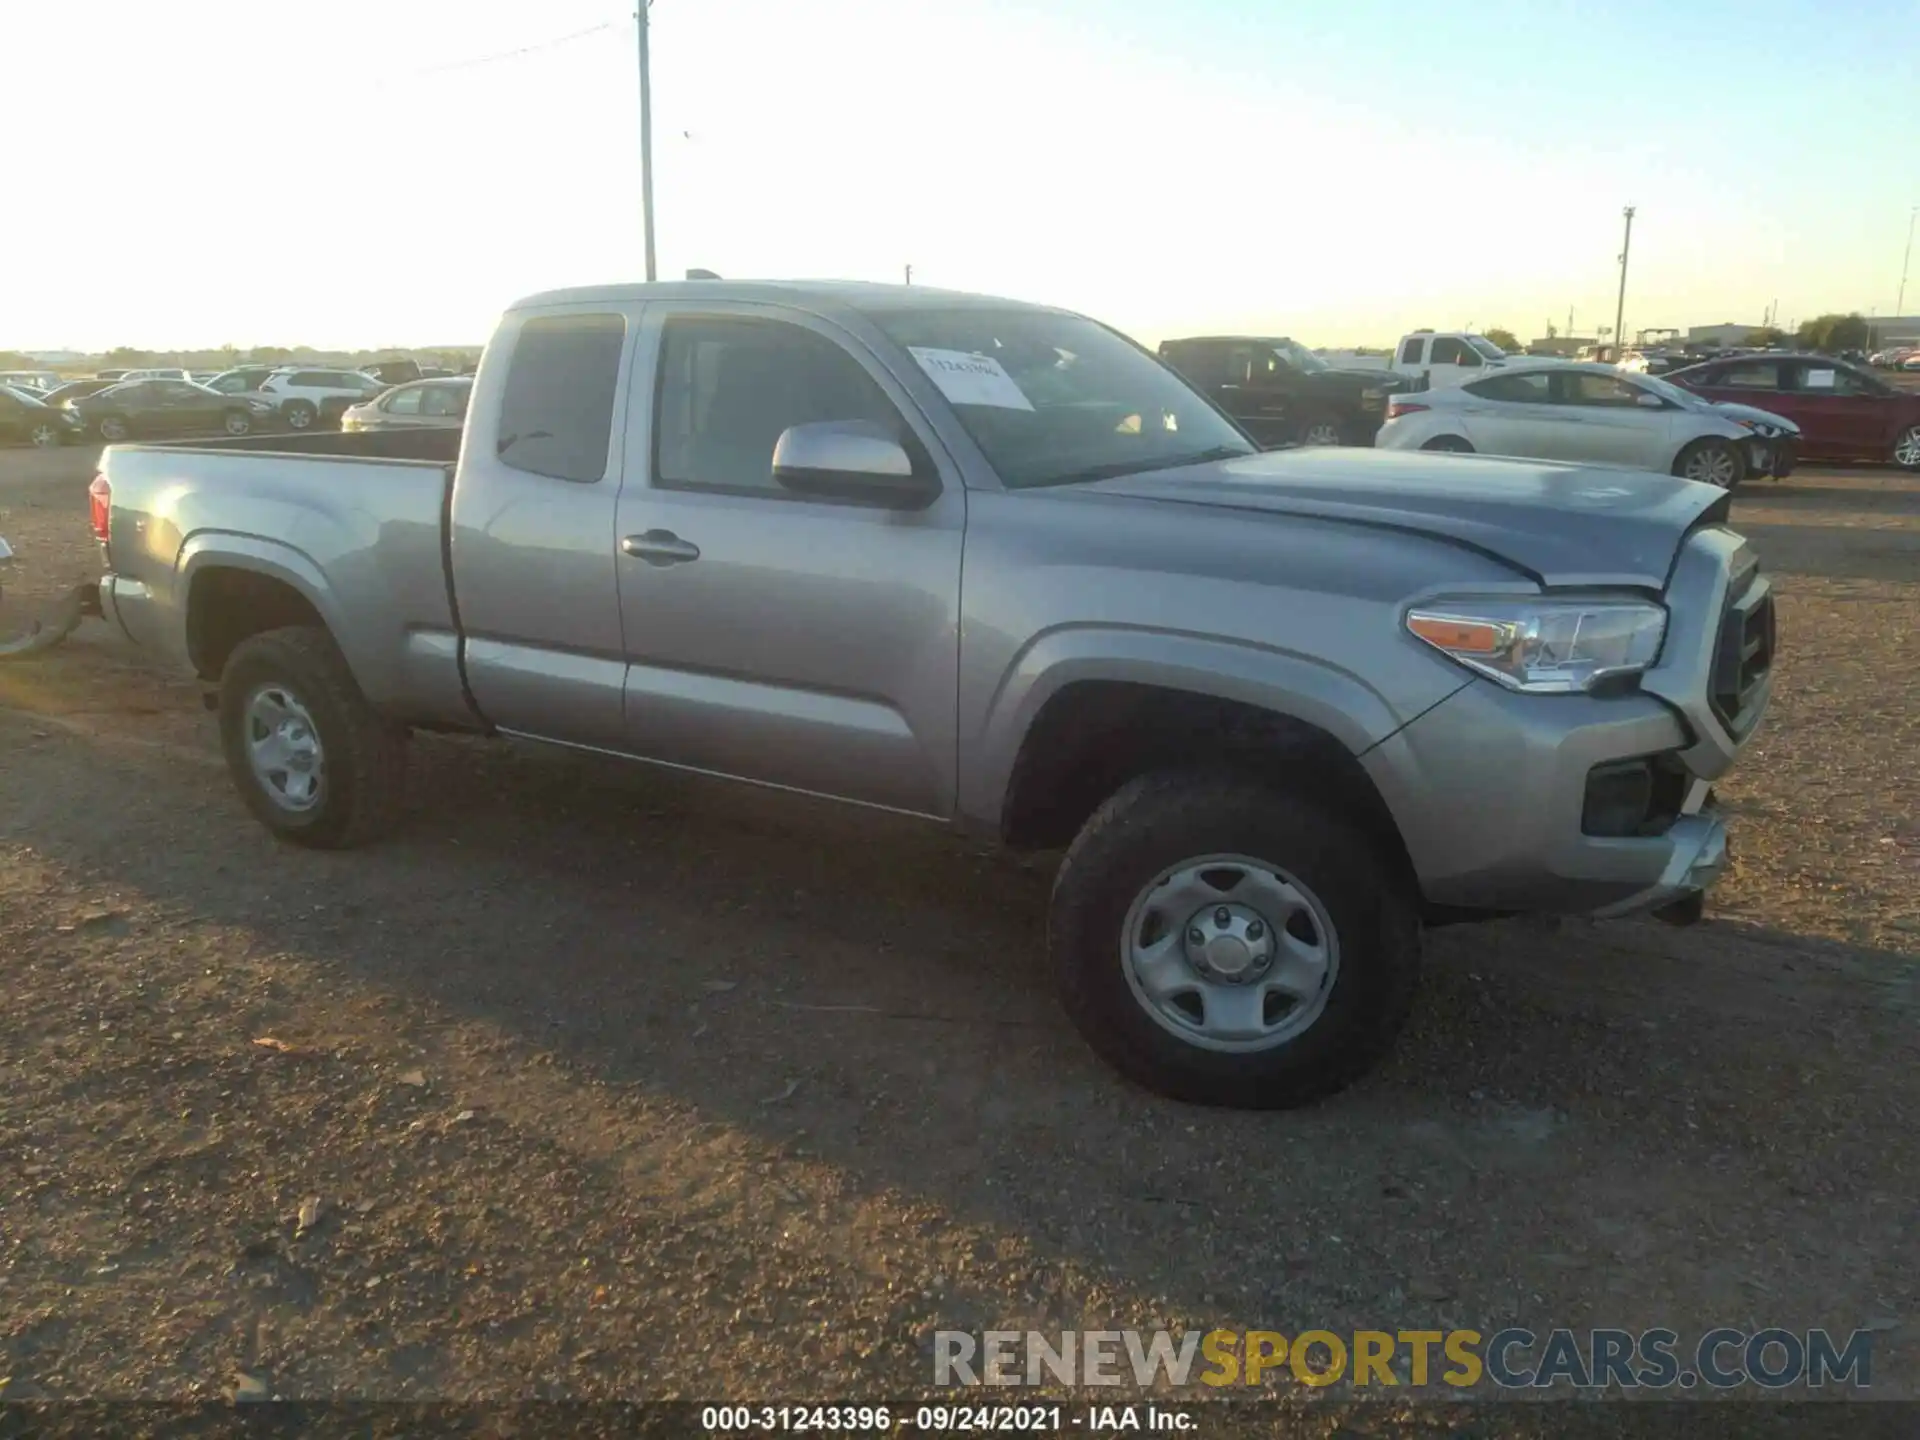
(597, 1082)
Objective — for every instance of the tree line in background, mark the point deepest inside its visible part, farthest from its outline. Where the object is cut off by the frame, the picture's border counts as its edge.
(225, 358)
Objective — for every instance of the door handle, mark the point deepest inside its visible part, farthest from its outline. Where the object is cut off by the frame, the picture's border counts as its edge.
(660, 547)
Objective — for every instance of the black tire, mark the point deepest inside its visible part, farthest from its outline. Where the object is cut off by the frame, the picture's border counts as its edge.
(299, 414)
(45, 435)
(1906, 448)
(1719, 456)
(236, 422)
(362, 794)
(1161, 819)
(112, 429)
(1450, 444)
(1318, 430)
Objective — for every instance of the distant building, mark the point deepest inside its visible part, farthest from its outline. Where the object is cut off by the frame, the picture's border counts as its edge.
(1891, 330)
(1711, 336)
(1562, 345)
(55, 357)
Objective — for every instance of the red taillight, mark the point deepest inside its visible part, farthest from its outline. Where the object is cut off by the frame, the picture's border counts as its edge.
(1397, 408)
(100, 505)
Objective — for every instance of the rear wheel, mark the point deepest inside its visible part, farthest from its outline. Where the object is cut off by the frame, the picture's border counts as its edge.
(1906, 450)
(299, 414)
(1225, 942)
(1451, 444)
(238, 422)
(44, 435)
(315, 763)
(1712, 462)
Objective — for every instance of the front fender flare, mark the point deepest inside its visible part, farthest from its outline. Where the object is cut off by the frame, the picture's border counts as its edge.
(1284, 682)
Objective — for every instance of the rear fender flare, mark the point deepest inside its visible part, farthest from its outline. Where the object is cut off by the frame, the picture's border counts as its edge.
(233, 550)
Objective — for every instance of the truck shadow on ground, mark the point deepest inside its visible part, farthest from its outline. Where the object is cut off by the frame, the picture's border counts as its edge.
(794, 970)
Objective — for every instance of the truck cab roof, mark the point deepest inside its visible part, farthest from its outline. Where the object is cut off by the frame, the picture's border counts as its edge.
(856, 295)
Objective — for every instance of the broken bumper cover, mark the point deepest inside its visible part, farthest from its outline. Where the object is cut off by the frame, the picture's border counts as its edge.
(1700, 857)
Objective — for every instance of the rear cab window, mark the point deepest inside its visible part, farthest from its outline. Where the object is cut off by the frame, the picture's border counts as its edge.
(556, 408)
(1411, 348)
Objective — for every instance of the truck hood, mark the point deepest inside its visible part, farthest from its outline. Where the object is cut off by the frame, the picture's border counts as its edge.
(1562, 525)
(1356, 380)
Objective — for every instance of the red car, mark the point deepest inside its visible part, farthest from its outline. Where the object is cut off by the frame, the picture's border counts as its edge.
(1843, 411)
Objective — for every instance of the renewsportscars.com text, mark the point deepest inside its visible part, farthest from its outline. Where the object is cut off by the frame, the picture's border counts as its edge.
(1513, 1358)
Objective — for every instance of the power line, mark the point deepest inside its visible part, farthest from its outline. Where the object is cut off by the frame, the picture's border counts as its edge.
(511, 54)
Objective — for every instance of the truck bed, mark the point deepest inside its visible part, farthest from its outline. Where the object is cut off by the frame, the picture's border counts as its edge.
(441, 446)
(353, 523)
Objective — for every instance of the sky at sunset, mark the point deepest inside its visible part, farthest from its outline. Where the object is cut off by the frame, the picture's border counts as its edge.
(357, 173)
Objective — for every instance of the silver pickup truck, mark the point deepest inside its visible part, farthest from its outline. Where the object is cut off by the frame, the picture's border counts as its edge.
(993, 565)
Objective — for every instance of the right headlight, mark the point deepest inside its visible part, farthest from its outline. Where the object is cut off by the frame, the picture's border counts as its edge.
(1544, 646)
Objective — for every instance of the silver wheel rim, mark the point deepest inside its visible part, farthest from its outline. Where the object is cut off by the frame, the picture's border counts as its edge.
(283, 749)
(44, 436)
(1906, 450)
(237, 424)
(1321, 434)
(113, 429)
(1230, 953)
(1713, 465)
(299, 419)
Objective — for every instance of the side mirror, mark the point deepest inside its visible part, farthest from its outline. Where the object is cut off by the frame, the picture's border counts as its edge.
(1649, 402)
(853, 460)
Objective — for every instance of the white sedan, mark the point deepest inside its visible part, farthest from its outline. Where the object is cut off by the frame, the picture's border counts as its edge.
(1593, 415)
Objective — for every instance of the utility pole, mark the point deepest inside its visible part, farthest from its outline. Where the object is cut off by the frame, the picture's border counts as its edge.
(1900, 305)
(1621, 309)
(646, 138)
(909, 274)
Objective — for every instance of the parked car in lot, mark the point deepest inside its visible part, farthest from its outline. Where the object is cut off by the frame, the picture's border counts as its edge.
(425, 404)
(1844, 412)
(1280, 392)
(307, 396)
(27, 419)
(166, 407)
(38, 381)
(76, 390)
(1594, 415)
(399, 372)
(163, 373)
(991, 565)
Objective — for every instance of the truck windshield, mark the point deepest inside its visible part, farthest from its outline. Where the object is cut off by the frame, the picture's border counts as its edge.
(1488, 350)
(1298, 356)
(1056, 399)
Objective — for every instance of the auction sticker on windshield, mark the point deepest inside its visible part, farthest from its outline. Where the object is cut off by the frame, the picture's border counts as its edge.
(967, 379)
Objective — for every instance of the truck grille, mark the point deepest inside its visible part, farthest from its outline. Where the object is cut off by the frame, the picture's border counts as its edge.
(1743, 657)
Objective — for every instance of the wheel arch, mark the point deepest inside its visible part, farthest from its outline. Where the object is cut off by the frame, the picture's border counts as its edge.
(1097, 709)
(240, 586)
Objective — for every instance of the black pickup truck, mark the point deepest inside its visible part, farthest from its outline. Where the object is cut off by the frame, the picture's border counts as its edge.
(1281, 393)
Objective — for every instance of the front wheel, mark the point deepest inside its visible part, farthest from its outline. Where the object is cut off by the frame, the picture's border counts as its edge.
(112, 429)
(315, 763)
(1228, 943)
(1320, 430)
(1906, 450)
(1712, 462)
(45, 435)
(1450, 445)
